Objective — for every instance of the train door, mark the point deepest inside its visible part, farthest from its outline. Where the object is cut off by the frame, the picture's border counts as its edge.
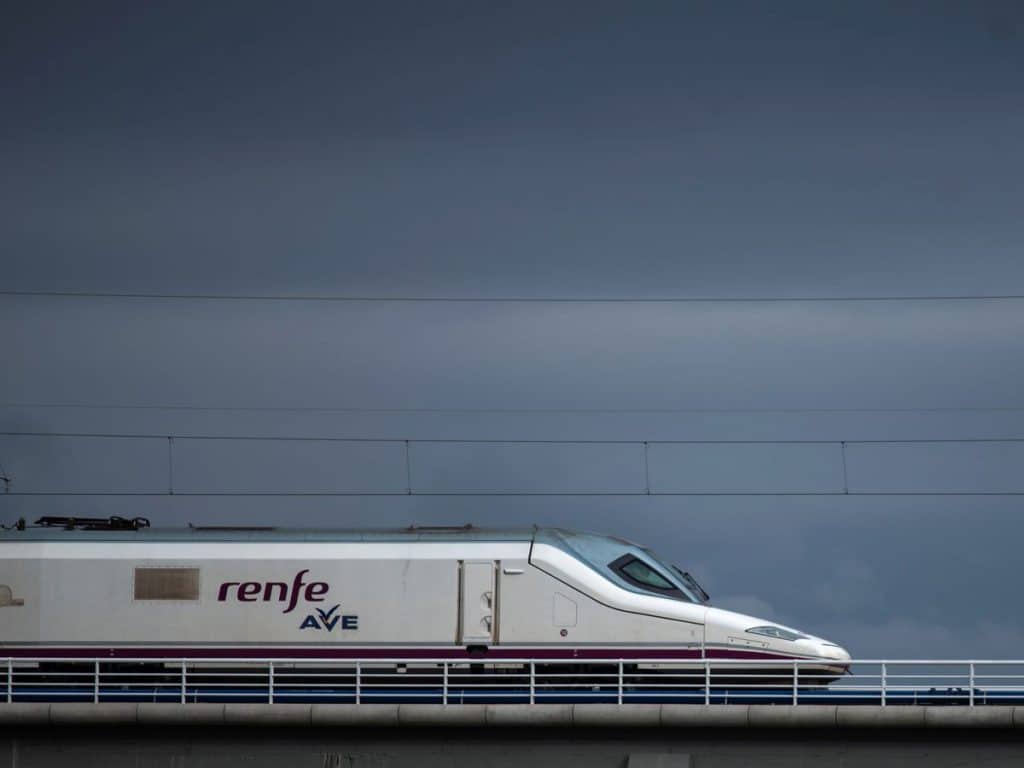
(477, 602)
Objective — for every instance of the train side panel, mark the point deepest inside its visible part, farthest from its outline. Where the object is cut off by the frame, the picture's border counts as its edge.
(235, 594)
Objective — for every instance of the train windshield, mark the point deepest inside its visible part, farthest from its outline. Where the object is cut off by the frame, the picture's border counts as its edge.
(649, 577)
(645, 577)
(627, 564)
(683, 580)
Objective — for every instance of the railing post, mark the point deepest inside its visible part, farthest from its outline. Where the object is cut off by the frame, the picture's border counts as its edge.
(184, 682)
(444, 684)
(796, 682)
(270, 680)
(10, 679)
(96, 681)
(359, 681)
(707, 682)
(533, 680)
(883, 683)
(620, 682)
(970, 700)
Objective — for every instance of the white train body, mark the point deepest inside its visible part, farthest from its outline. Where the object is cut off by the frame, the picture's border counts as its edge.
(203, 593)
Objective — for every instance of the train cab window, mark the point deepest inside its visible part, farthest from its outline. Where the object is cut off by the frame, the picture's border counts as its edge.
(640, 574)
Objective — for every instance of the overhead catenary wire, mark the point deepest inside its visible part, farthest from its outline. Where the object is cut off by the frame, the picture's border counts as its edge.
(503, 441)
(408, 488)
(518, 299)
(426, 299)
(499, 411)
(514, 494)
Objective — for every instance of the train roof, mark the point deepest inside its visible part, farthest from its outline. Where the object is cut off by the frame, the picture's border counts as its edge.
(598, 551)
(74, 531)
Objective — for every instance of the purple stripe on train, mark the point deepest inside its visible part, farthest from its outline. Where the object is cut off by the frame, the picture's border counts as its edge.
(249, 652)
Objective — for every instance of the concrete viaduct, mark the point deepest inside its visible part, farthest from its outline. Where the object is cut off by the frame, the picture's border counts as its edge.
(140, 735)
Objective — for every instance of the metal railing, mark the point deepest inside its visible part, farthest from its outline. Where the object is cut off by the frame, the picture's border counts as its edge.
(532, 681)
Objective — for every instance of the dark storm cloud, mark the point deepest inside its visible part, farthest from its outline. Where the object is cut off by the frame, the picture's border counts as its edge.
(671, 149)
(576, 150)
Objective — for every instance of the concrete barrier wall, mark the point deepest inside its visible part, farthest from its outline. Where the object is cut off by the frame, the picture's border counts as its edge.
(515, 715)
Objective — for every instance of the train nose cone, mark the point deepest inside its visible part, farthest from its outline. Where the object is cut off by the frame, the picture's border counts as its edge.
(832, 651)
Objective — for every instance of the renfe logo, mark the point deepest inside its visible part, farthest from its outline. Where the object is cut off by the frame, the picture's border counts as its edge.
(254, 591)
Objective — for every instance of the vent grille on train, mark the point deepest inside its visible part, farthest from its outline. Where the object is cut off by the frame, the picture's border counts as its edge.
(166, 583)
(7, 597)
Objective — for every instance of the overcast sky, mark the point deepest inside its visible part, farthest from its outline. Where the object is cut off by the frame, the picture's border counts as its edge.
(574, 150)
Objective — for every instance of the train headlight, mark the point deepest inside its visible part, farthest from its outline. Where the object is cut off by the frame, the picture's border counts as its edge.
(776, 632)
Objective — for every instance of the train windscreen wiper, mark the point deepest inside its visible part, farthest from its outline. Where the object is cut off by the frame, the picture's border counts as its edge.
(691, 582)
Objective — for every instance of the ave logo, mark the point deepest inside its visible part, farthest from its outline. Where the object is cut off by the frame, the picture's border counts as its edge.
(328, 620)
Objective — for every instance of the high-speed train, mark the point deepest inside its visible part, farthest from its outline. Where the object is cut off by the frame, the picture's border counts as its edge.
(112, 588)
